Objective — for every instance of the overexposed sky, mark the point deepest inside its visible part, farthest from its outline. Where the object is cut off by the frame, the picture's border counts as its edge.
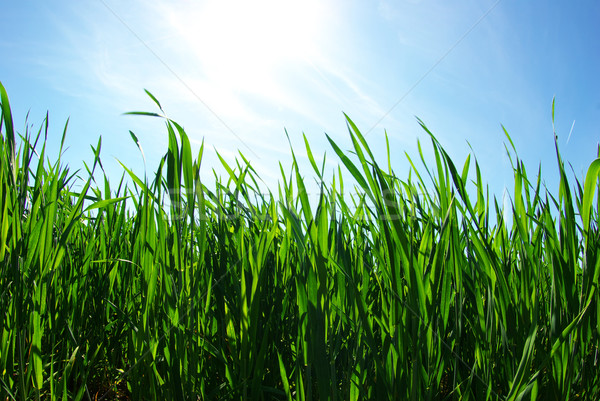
(236, 74)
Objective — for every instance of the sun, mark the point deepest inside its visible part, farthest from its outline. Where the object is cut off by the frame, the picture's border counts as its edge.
(245, 44)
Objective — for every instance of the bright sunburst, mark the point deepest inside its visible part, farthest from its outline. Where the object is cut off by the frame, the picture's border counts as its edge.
(244, 44)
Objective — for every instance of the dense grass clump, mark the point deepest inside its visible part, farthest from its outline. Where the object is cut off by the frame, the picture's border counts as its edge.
(167, 288)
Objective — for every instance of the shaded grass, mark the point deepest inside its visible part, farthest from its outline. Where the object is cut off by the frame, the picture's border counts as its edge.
(171, 289)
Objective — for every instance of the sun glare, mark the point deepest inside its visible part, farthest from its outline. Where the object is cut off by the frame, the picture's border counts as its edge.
(245, 44)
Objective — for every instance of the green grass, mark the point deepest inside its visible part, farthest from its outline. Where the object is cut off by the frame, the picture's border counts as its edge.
(168, 288)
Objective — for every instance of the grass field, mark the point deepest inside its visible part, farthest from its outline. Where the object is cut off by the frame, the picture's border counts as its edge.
(414, 289)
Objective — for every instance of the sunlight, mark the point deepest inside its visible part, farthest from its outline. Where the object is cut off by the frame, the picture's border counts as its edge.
(246, 45)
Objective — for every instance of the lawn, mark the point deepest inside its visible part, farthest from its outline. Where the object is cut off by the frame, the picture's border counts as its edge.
(415, 287)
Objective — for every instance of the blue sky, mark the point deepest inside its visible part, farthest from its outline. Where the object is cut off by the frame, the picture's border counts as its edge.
(237, 73)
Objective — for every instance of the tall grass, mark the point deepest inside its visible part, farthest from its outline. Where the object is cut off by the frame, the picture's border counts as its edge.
(166, 288)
